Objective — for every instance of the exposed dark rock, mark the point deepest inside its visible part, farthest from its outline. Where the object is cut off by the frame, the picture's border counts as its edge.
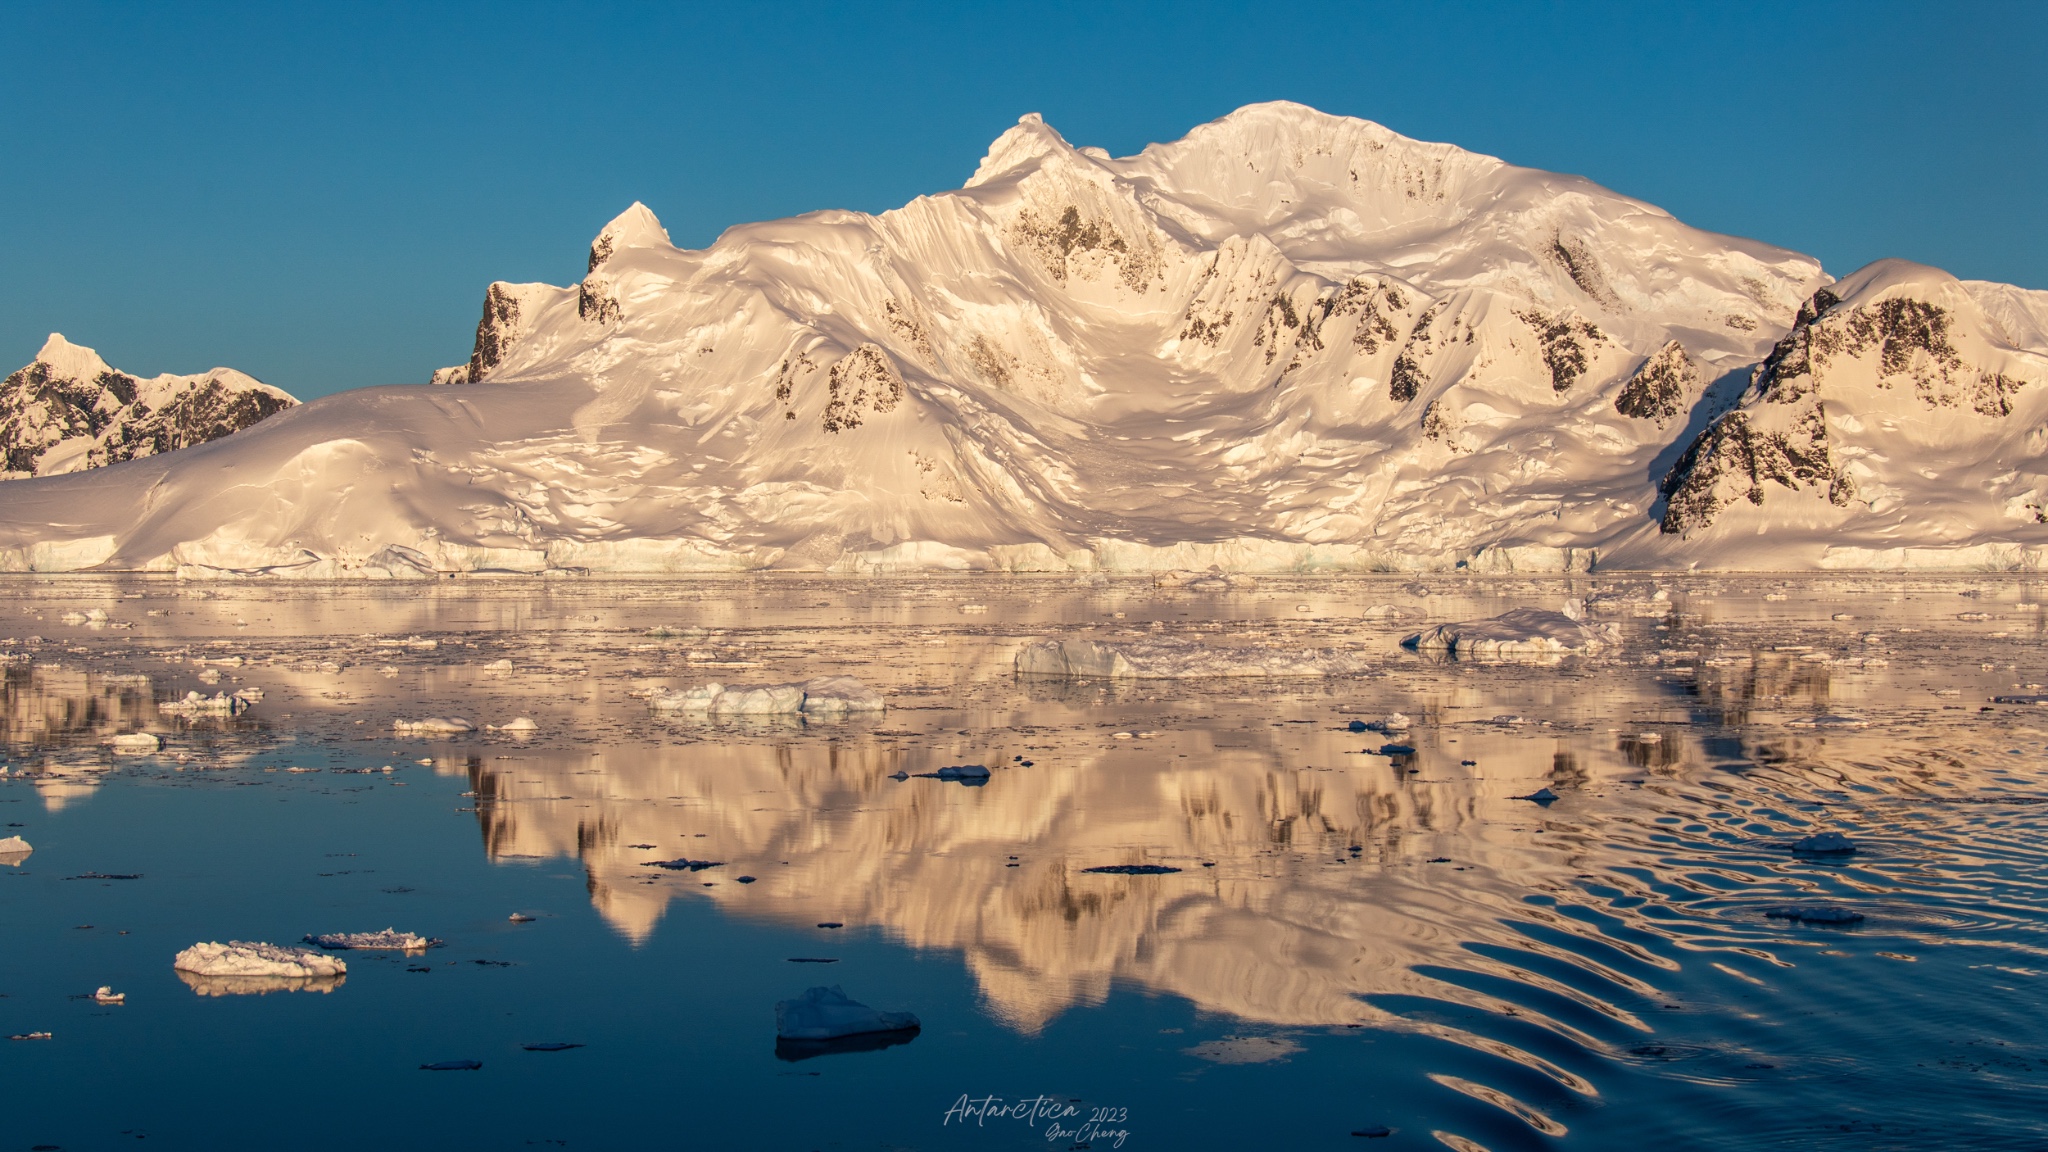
(496, 332)
(1660, 388)
(1560, 340)
(864, 377)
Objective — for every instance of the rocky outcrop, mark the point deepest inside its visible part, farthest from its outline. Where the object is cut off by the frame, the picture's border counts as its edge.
(68, 411)
(1662, 388)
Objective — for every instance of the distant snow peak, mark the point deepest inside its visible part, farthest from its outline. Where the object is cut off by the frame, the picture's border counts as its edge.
(67, 411)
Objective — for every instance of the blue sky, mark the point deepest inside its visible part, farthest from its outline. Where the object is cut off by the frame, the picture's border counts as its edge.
(319, 195)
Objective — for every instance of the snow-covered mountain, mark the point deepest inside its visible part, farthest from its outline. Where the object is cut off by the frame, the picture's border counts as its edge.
(67, 411)
(1287, 341)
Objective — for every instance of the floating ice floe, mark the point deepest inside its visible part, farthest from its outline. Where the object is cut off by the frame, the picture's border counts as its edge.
(194, 705)
(243, 958)
(13, 850)
(105, 994)
(390, 939)
(135, 743)
(1520, 632)
(1076, 658)
(1825, 844)
(518, 726)
(434, 726)
(1814, 914)
(1214, 580)
(827, 695)
(827, 1014)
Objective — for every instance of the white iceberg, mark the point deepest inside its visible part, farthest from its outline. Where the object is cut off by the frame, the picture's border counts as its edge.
(434, 726)
(1520, 632)
(827, 695)
(826, 1014)
(218, 704)
(389, 939)
(518, 726)
(135, 743)
(1076, 658)
(14, 849)
(243, 958)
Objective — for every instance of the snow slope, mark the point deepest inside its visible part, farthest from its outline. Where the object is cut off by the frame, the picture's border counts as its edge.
(1288, 341)
(66, 411)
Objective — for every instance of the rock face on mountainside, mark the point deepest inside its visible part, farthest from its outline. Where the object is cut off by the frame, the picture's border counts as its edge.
(67, 411)
(1287, 341)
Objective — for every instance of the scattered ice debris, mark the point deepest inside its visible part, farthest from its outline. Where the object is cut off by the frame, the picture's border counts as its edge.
(971, 608)
(550, 1046)
(1542, 796)
(433, 726)
(452, 1066)
(194, 705)
(521, 918)
(680, 864)
(1520, 632)
(1825, 844)
(826, 695)
(1077, 658)
(135, 743)
(389, 938)
(1390, 723)
(827, 1014)
(30, 1036)
(243, 958)
(502, 664)
(1389, 612)
(518, 725)
(1814, 914)
(1214, 580)
(105, 994)
(1133, 869)
(249, 695)
(2019, 699)
(13, 850)
(1830, 720)
(1244, 1049)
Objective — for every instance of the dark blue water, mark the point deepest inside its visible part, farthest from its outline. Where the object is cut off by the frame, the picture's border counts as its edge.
(1372, 943)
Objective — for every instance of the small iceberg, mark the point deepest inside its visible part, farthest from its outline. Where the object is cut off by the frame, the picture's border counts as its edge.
(823, 1018)
(518, 726)
(105, 994)
(1814, 914)
(824, 696)
(135, 743)
(1521, 632)
(194, 705)
(13, 850)
(389, 939)
(243, 958)
(1825, 844)
(433, 726)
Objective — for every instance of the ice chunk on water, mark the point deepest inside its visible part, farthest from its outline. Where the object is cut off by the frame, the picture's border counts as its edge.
(1078, 658)
(434, 726)
(14, 849)
(826, 1014)
(218, 704)
(1825, 844)
(829, 694)
(1521, 632)
(105, 994)
(243, 958)
(135, 743)
(389, 938)
(826, 695)
(518, 726)
(766, 700)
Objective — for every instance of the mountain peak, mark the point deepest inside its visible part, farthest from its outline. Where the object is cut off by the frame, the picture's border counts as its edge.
(636, 227)
(72, 361)
(1031, 139)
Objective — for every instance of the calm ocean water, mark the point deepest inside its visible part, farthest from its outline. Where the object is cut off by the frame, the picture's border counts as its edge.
(1353, 940)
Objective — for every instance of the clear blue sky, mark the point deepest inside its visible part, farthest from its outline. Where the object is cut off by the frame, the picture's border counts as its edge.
(319, 195)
